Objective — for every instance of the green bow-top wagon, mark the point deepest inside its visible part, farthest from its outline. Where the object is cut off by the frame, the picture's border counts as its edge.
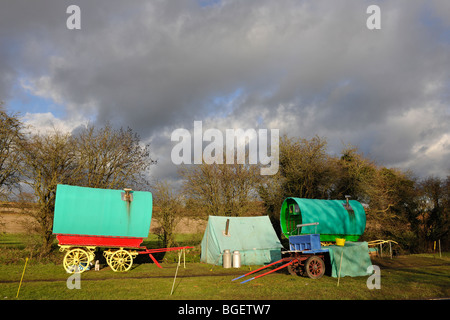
(309, 222)
(116, 220)
(331, 219)
(320, 220)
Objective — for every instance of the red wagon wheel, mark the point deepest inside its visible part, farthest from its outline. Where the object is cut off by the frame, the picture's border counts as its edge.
(314, 267)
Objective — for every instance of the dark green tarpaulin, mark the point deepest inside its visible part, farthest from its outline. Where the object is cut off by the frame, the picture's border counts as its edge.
(355, 259)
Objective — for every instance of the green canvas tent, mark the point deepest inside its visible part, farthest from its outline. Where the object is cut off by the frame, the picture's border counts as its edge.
(253, 237)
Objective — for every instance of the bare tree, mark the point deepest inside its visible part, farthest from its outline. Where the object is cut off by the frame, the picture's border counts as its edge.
(10, 137)
(306, 171)
(104, 158)
(48, 160)
(167, 211)
(306, 167)
(221, 189)
(432, 222)
(112, 158)
(355, 175)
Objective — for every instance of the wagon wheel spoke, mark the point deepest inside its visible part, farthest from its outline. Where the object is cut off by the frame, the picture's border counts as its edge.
(313, 267)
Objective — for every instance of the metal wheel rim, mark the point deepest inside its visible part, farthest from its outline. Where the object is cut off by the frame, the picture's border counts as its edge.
(315, 267)
(76, 261)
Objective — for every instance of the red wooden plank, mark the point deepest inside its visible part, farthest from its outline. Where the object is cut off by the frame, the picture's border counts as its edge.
(148, 251)
(99, 241)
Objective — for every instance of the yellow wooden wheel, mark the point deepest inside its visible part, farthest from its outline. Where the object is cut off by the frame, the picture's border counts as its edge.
(120, 260)
(76, 260)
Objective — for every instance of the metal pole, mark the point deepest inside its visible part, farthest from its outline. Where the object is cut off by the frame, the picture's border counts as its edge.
(173, 284)
(20, 284)
(439, 241)
(390, 248)
(207, 237)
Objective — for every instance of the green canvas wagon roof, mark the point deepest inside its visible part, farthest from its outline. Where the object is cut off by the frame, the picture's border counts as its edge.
(101, 212)
(333, 216)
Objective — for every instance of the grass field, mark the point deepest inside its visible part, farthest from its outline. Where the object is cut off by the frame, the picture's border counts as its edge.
(425, 276)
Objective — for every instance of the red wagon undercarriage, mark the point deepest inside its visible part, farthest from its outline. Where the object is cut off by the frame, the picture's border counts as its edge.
(119, 254)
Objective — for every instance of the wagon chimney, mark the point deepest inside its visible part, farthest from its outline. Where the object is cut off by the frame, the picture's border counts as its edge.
(347, 197)
(227, 225)
(127, 196)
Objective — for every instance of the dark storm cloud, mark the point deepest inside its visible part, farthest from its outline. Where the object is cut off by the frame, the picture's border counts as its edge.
(304, 67)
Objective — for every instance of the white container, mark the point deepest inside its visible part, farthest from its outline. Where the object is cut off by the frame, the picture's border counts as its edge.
(226, 258)
(236, 259)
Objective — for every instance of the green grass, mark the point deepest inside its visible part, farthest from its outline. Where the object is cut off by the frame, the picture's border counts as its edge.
(422, 276)
(8, 240)
(198, 281)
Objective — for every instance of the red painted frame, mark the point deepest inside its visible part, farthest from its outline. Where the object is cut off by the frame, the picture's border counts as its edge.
(112, 242)
(150, 251)
(99, 241)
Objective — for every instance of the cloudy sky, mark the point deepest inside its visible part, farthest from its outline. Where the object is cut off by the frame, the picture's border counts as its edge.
(304, 67)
